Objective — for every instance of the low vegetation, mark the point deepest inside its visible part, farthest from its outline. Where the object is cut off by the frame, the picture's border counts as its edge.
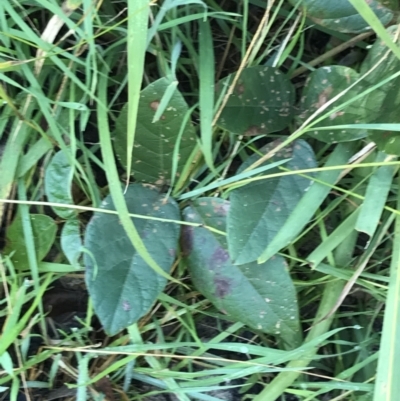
(199, 200)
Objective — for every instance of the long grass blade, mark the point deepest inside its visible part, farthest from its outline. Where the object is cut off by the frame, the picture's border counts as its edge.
(206, 76)
(375, 197)
(387, 385)
(138, 17)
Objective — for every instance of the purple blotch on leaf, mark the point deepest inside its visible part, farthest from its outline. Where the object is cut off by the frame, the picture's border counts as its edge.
(222, 286)
(187, 240)
(219, 257)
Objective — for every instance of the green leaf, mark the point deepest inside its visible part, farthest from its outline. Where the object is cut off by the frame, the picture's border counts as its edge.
(57, 183)
(7, 363)
(259, 295)
(340, 15)
(311, 201)
(323, 85)
(262, 102)
(44, 232)
(387, 141)
(364, 9)
(122, 286)
(378, 106)
(384, 102)
(71, 242)
(259, 209)
(155, 142)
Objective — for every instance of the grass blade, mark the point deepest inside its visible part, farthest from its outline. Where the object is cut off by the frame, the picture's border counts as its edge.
(373, 21)
(165, 100)
(333, 240)
(387, 386)
(309, 203)
(375, 197)
(206, 77)
(332, 290)
(138, 16)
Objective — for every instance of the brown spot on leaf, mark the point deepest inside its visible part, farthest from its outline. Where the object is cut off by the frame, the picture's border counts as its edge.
(221, 209)
(336, 114)
(154, 104)
(323, 97)
(240, 89)
(150, 186)
(253, 131)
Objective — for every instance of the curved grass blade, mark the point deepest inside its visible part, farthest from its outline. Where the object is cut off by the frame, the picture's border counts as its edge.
(113, 179)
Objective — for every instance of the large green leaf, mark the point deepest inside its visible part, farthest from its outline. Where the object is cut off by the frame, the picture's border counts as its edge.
(122, 286)
(262, 102)
(259, 209)
(340, 15)
(44, 232)
(57, 183)
(153, 152)
(323, 85)
(259, 295)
